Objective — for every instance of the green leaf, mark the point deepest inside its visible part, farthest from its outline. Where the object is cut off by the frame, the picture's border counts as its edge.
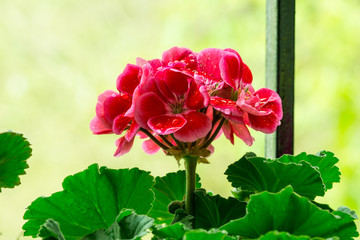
(215, 211)
(258, 174)
(174, 231)
(182, 217)
(128, 225)
(324, 161)
(288, 212)
(167, 189)
(275, 235)
(51, 229)
(213, 234)
(91, 200)
(14, 151)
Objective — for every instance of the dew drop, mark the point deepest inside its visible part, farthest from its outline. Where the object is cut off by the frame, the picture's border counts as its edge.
(159, 125)
(175, 121)
(227, 111)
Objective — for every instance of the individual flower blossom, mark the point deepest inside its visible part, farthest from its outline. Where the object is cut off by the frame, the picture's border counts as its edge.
(171, 107)
(263, 109)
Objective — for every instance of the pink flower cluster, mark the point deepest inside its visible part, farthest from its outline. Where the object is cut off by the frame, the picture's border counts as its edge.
(183, 101)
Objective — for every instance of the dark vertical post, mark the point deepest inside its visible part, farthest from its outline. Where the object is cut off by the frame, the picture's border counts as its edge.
(280, 45)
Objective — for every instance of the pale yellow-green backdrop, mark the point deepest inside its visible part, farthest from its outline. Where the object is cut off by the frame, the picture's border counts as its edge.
(56, 56)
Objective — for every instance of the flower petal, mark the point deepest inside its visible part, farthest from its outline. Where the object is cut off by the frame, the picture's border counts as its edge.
(241, 131)
(101, 99)
(166, 124)
(176, 82)
(230, 69)
(226, 106)
(120, 123)
(265, 124)
(179, 54)
(129, 79)
(150, 147)
(197, 126)
(228, 132)
(133, 130)
(116, 104)
(99, 126)
(147, 106)
(195, 99)
(123, 146)
(208, 61)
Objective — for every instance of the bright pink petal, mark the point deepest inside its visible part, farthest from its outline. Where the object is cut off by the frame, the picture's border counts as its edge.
(123, 146)
(129, 79)
(99, 126)
(176, 82)
(116, 104)
(101, 99)
(197, 126)
(265, 124)
(147, 106)
(195, 99)
(120, 123)
(228, 132)
(271, 100)
(226, 106)
(166, 124)
(246, 75)
(133, 130)
(241, 131)
(179, 54)
(208, 61)
(150, 147)
(230, 69)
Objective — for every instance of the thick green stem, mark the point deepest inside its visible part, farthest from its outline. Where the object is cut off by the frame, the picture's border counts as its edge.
(190, 169)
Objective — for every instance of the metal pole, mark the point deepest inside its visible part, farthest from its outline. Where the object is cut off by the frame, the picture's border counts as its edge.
(280, 51)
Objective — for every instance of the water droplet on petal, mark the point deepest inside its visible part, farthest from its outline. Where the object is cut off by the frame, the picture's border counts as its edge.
(227, 111)
(175, 121)
(159, 125)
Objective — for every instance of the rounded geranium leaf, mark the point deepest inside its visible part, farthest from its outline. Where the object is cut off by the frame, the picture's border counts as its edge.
(323, 161)
(197, 126)
(276, 235)
(201, 234)
(14, 151)
(147, 106)
(168, 189)
(128, 225)
(215, 211)
(288, 212)
(166, 124)
(173, 231)
(259, 174)
(91, 200)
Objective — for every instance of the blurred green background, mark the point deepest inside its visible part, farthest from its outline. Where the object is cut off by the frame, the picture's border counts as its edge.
(56, 57)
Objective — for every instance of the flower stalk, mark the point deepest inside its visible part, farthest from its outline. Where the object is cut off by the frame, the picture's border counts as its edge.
(190, 170)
